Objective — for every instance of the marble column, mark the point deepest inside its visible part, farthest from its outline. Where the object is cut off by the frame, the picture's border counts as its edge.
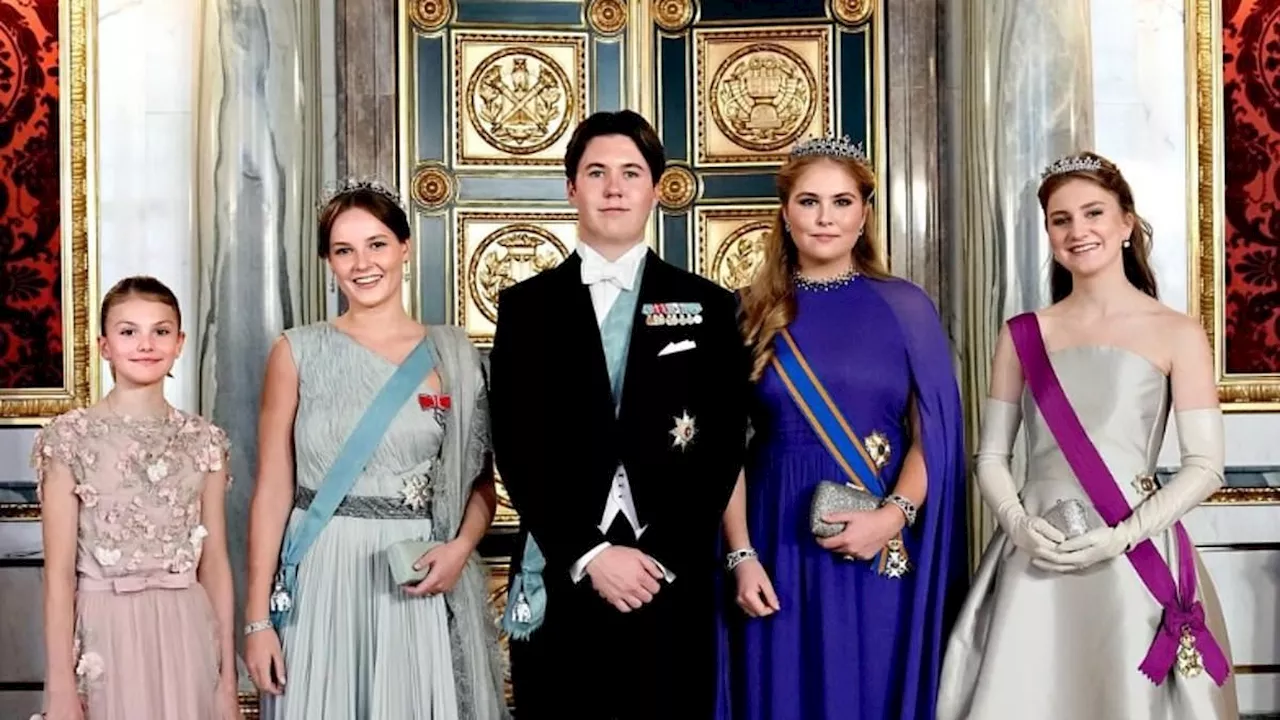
(919, 249)
(368, 104)
(1025, 98)
(257, 184)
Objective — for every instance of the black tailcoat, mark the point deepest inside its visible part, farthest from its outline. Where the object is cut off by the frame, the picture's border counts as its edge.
(557, 443)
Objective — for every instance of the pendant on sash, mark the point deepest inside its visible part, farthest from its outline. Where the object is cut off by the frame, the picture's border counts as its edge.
(894, 559)
(1190, 661)
(522, 613)
(280, 601)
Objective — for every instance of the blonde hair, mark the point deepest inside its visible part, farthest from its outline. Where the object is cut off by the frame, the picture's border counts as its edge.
(769, 302)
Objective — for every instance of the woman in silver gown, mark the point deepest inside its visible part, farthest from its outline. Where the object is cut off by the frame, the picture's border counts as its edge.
(1062, 614)
(354, 643)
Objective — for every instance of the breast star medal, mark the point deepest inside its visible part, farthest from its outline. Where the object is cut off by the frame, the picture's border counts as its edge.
(682, 434)
(416, 492)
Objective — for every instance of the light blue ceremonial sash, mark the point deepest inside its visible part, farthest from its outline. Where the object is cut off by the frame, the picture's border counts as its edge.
(527, 596)
(356, 451)
(827, 421)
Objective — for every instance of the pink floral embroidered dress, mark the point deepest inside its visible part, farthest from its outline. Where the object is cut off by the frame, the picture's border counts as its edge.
(146, 634)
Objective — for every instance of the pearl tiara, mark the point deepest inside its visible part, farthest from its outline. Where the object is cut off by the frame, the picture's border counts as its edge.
(352, 185)
(830, 147)
(1070, 164)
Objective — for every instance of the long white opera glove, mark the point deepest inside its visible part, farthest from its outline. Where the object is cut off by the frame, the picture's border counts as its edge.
(1029, 533)
(1200, 438)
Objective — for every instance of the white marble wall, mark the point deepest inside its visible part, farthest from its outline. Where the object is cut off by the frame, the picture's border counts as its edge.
(327, 12)
(147, 54)
(147, 59)
(1141, 91)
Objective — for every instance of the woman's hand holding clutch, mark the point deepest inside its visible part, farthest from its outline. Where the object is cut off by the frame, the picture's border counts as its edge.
(865, 533)
(755, 592)
(1085, 551)
(1031, 534)
(444, 563)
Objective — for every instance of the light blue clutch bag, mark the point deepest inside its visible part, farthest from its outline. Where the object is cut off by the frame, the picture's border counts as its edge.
(403, 555)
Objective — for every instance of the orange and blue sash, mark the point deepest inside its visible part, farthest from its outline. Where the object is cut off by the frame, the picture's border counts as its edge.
(831, 427)
(820, 410)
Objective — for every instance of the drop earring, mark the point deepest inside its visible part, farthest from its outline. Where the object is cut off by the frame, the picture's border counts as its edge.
(333, 285)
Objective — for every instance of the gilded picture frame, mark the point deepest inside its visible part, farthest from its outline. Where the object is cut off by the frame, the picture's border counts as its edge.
(77, 249)
(1206, 266)
(1207, 261)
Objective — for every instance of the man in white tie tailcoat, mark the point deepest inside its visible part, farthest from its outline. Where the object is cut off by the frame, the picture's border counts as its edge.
(619, 390)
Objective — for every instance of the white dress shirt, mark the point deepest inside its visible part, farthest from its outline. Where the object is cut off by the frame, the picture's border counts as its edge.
(607, 280)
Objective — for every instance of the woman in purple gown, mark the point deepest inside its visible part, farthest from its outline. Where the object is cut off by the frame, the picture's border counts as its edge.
(837, 627)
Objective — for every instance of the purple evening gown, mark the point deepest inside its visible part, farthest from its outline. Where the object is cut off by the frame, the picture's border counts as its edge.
(838, 649)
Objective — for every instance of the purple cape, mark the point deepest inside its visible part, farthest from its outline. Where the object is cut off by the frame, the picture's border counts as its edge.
(941, 573)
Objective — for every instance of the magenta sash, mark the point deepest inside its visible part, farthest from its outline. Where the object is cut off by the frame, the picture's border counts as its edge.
(1182, 611)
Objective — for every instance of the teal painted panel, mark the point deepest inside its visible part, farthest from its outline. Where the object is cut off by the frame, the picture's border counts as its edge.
(854, 75)
(433, 269)
(606, 74)
(733, 187)
(675, 239)
(473, 188)
(673, 96)
(760, 10)
(510, 12)
(432, 115)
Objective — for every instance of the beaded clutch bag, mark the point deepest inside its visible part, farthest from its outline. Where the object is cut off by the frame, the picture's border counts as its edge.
(831, 497)
(1071, 517)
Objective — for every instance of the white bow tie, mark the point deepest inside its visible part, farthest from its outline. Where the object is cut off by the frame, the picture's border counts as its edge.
(595, 272)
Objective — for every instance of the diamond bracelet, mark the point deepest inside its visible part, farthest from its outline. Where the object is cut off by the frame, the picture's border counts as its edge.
(737, 557)
(907, 507)
(257, 626)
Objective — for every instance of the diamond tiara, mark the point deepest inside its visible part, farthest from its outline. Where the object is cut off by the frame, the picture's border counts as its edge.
(831, 147)
(351, 185)
(1070, 164)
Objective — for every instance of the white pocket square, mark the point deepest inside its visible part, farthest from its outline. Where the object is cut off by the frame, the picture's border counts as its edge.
(676, 347)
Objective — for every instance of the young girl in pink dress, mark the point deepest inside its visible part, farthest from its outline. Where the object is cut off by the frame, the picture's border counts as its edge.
(137, 594)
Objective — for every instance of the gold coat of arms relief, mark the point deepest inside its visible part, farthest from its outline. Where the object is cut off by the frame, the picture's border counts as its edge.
(518, 96)
(758, 92)
(764, 97)
(499, 249)
(731, 242)
(507, 256)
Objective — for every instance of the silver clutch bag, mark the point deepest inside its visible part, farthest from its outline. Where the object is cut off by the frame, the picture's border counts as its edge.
(401, 557)
(832, 497)
(1071, 517)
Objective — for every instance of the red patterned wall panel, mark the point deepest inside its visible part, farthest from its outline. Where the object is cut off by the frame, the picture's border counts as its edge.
(1251, 211)
(31, 332)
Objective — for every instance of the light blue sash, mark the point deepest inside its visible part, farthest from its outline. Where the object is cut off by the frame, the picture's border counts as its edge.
(356, 451)
(527, 596)
(827, 421)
